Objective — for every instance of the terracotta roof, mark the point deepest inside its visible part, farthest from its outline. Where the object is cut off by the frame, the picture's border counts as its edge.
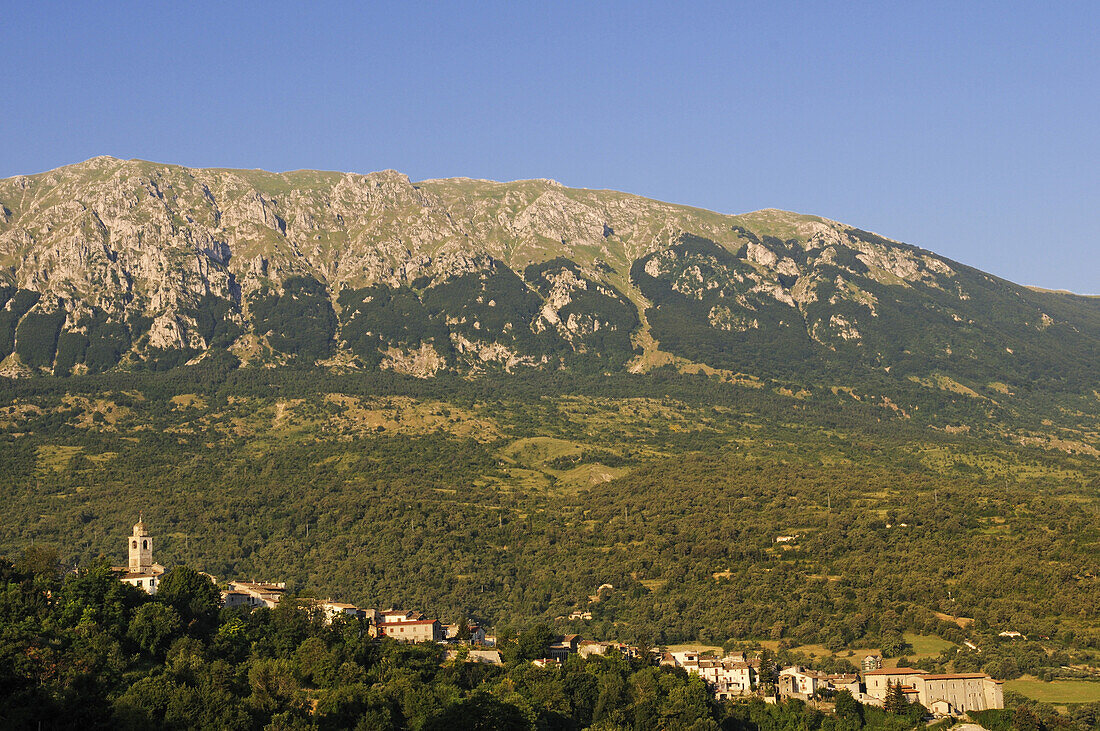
(896, 671)
(955, 676)
(411, 621)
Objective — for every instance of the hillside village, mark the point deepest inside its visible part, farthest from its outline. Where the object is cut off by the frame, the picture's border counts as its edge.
(734, 675)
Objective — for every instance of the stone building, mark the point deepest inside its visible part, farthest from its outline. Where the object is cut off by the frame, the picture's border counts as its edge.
(798, 682)
(952, 694)
(253, 594)
(945, 694)
(413, 630)
(141, 571)
(878, 682)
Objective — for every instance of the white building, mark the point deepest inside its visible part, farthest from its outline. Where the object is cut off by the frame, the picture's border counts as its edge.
(878, 682)
(728, 677)
(946, 694)
(799, 682)
(953, 694)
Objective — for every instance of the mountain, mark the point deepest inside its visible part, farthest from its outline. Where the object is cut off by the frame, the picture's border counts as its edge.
(490, 399)
(120, 265)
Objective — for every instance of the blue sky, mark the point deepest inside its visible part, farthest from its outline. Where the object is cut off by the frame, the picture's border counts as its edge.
(972, 129)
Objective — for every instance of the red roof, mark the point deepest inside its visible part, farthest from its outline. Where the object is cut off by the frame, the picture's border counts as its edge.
(896, 671)
(411, 621)
(956, 676)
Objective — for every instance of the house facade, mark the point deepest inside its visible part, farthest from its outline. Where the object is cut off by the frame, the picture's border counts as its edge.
(878, 682)
(416, 630)
(799, 682)
(957, 693)
(253, 594)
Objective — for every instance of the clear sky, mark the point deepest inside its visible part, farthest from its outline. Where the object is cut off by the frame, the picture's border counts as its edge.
(968, 128)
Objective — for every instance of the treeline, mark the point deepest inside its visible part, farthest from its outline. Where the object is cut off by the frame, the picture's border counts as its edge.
(219, 376)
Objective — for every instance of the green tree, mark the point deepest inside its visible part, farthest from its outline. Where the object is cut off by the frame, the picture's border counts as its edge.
(534, 642)
(848, 708)
(94, 597)
(894, 645)
(896, 702)
(154, 626)
(479, 712)
(193, 595)
(1024, 719)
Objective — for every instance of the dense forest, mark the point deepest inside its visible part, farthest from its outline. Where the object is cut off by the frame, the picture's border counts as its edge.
(510, 500)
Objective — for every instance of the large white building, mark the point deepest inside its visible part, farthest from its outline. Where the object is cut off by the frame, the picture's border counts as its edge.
(952, 694)
(944, 694)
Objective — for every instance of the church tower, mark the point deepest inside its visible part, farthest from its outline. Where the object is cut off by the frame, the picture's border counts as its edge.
(141, 549)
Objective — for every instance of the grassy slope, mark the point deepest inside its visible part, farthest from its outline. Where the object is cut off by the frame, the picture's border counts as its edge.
(1057, 692)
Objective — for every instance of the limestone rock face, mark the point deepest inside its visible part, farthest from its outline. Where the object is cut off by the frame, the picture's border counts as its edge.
(111, 262)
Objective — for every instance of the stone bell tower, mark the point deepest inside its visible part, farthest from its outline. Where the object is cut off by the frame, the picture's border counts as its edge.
(141, 549)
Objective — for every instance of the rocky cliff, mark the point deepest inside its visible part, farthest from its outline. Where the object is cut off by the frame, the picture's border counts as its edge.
(114, 264)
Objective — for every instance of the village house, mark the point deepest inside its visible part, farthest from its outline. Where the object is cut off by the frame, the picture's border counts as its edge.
(477, 633)
(546, 662)
(410, 630)
(588, 648)
(872, 662)
(798, 682)
(141, 571)
(486, 657)
(253, 594)
(564, 647)
(729, 677)
(846, 682)
(330, 610)
(399, 615)
(683, 659)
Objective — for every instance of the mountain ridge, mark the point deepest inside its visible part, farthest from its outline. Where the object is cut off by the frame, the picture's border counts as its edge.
(120, 264)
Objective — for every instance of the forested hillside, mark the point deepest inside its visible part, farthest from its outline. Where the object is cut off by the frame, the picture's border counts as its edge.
(510, 502)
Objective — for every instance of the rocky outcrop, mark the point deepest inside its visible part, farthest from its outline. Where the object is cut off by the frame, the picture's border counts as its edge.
(138, 259)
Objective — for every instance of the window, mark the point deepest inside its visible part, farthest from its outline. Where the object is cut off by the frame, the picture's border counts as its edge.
(144, 545)
(135, 544)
